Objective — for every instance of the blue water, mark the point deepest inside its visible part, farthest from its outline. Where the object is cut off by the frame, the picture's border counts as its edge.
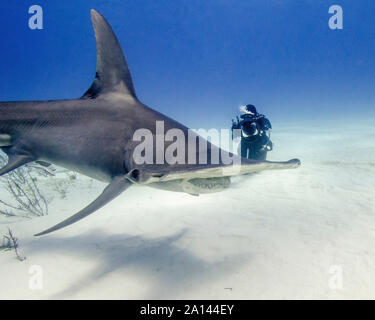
(198, 61)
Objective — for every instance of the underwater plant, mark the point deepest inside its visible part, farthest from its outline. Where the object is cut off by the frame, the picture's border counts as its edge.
(22, 185)
(11, 242)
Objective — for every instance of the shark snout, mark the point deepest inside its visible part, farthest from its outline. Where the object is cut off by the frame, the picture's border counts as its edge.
(295, 162)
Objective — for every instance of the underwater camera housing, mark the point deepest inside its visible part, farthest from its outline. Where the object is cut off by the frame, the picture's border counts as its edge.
(249, 128)
(254, 125)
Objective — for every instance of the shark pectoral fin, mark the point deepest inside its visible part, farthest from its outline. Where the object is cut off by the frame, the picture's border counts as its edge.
(115, 188)
(14, 162)
(112, 71)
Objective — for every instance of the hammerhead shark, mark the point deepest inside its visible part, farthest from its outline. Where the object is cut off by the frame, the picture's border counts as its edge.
(94, 135)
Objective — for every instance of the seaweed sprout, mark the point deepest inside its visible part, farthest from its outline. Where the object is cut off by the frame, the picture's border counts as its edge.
(21, 183)
(10, 242)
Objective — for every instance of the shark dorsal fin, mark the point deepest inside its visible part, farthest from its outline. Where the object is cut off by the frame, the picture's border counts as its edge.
(112, 71)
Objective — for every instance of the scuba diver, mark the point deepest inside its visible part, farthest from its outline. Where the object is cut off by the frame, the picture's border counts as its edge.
(255, 133)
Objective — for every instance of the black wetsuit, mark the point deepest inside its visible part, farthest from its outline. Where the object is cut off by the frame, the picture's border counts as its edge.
(255, 141)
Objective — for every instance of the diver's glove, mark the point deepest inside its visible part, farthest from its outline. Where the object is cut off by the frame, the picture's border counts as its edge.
(269, 146)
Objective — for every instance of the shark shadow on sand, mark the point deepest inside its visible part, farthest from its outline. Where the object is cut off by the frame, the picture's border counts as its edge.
(170, 271)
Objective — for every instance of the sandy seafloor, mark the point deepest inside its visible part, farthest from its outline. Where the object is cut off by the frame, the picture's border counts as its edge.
(272, 235)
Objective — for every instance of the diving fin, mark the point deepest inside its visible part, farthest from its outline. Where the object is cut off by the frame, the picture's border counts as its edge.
(14, 162)
(115, 188)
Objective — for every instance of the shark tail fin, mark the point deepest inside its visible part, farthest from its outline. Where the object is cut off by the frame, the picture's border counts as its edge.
(112, 71)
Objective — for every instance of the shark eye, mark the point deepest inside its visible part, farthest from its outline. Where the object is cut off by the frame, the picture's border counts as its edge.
(135, 175)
